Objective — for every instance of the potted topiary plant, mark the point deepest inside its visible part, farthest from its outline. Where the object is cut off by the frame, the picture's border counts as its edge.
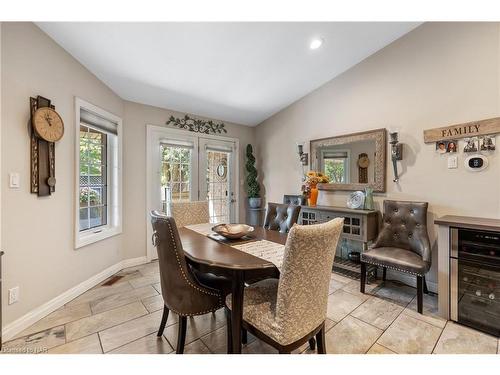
(253, 187)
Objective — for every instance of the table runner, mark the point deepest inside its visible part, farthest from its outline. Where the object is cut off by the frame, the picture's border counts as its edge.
(271, 251)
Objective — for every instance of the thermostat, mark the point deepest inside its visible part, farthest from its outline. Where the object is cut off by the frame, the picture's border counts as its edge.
(476, 163)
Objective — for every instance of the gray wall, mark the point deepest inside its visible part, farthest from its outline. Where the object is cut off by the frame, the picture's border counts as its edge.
(438, 74)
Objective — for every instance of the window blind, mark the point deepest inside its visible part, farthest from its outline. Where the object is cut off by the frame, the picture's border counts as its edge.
(99, 123)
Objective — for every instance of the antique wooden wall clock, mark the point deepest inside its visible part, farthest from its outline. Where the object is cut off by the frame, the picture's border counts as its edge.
(363, 163)
(47, 127)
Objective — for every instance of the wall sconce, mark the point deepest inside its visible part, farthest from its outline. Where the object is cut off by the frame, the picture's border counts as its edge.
(396, 153)
(304, 157)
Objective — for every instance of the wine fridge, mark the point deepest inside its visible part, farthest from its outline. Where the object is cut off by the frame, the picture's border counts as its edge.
(475, 279)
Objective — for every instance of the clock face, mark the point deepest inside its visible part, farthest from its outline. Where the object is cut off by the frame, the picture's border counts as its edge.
(363, 162)
(48, 124)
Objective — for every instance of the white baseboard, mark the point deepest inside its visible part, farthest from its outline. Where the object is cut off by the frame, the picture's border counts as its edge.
(25, 321)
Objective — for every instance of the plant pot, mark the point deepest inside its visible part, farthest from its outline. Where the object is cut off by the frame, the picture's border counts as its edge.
(255, 202)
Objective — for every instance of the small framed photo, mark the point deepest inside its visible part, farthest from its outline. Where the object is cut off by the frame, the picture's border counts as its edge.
(441, 147)
(471, 144)
(452, 146)
(487, 143)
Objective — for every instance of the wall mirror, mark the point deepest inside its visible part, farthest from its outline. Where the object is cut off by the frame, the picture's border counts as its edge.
(352, 161)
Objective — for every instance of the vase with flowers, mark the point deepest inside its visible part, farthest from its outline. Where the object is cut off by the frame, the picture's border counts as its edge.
(310, 186)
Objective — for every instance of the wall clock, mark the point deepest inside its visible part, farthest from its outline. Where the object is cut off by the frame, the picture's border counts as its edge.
(363, 163)
(46, 127)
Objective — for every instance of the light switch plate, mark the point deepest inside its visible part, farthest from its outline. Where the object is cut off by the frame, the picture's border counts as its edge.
(14, 180)
(13, 295)
(452, 162)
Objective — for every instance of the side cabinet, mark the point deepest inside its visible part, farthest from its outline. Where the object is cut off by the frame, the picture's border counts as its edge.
(359, 225)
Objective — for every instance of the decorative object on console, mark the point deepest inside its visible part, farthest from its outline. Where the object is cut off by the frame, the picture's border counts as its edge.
(368, 199)
(46, 128)
(310, 187)
(337, 157)
(253, 187)
(363, 163)
(465, 130)
(396, 154)
(476, 163)
(197, 125)
(356, 200)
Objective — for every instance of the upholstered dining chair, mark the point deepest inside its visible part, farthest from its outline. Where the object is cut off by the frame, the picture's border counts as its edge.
(297, 200)
(288, 312)
(189, 213)
(182, 292)
(281, 217)
(402, 244)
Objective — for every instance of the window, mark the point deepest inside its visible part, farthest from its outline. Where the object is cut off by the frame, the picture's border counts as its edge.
(99, 174)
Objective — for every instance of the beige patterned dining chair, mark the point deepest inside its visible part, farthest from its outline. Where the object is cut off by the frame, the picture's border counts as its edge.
(288, 312)
(189, 213)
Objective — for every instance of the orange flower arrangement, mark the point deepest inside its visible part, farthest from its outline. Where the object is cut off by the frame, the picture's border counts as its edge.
(309, 189)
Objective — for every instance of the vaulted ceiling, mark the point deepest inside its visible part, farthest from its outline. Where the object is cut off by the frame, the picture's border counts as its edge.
(237, 72)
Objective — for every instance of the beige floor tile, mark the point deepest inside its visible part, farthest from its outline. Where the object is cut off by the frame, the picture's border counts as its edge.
(125, 276)
(39, 342)
(151, 344)
(157, 286)
(351, 336)
(100, 292)
(340, 278)
(305, 349)
(378, 312)
(370, 289)
(150, 268)
(258, 347)
(408, 335)
(197, 327)
(151, 279)
(102, 321)
(342, 303)
(196, 347)
(59, 317)
(120, 299)
(154, 303)
(458, 339)
(132, 330)
(85, 345)
(430, 311)
(379, 349)
(216, 341)
(396, 292)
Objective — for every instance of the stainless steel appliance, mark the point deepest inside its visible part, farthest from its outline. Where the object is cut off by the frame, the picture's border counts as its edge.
(475, 279)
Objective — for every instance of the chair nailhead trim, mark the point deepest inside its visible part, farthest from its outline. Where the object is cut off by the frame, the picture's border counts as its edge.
(189, 282)
(392, 268)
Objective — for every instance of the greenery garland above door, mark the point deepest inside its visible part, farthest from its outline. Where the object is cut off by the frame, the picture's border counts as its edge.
(196, 125)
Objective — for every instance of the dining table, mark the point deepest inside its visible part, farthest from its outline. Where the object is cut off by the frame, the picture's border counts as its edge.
(241, 261)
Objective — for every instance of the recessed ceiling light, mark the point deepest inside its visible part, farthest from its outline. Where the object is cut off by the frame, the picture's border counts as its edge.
(316, 43)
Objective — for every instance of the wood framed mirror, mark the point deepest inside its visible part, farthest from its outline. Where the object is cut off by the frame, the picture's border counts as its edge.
(352, 161)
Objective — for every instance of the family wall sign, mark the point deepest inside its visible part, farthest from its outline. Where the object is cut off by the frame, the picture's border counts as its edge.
(468, 129)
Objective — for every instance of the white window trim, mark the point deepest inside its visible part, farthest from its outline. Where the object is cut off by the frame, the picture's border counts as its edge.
(114, 176)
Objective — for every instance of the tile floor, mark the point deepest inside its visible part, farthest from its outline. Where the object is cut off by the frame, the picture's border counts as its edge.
(124, 318)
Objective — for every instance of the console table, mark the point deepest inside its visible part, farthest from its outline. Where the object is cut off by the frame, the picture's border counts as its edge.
(359, 225)
(1, 253)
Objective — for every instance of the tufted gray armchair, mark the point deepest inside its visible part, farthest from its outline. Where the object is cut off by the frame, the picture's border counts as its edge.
(402, 244)
(281, 217)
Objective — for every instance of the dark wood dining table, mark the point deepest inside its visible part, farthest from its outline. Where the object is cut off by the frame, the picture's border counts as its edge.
(221, 259)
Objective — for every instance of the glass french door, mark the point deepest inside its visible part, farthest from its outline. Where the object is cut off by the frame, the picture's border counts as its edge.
(184, 167)
(216, 177)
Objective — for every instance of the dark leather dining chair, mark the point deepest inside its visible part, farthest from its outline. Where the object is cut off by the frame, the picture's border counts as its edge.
(181, 290)
(297, 200)
(281, 217)
(402, 245)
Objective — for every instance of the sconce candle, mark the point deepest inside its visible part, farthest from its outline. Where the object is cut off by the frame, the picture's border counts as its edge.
(396, 153)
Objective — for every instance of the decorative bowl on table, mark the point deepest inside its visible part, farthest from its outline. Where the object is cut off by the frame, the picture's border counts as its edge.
(233, 231)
